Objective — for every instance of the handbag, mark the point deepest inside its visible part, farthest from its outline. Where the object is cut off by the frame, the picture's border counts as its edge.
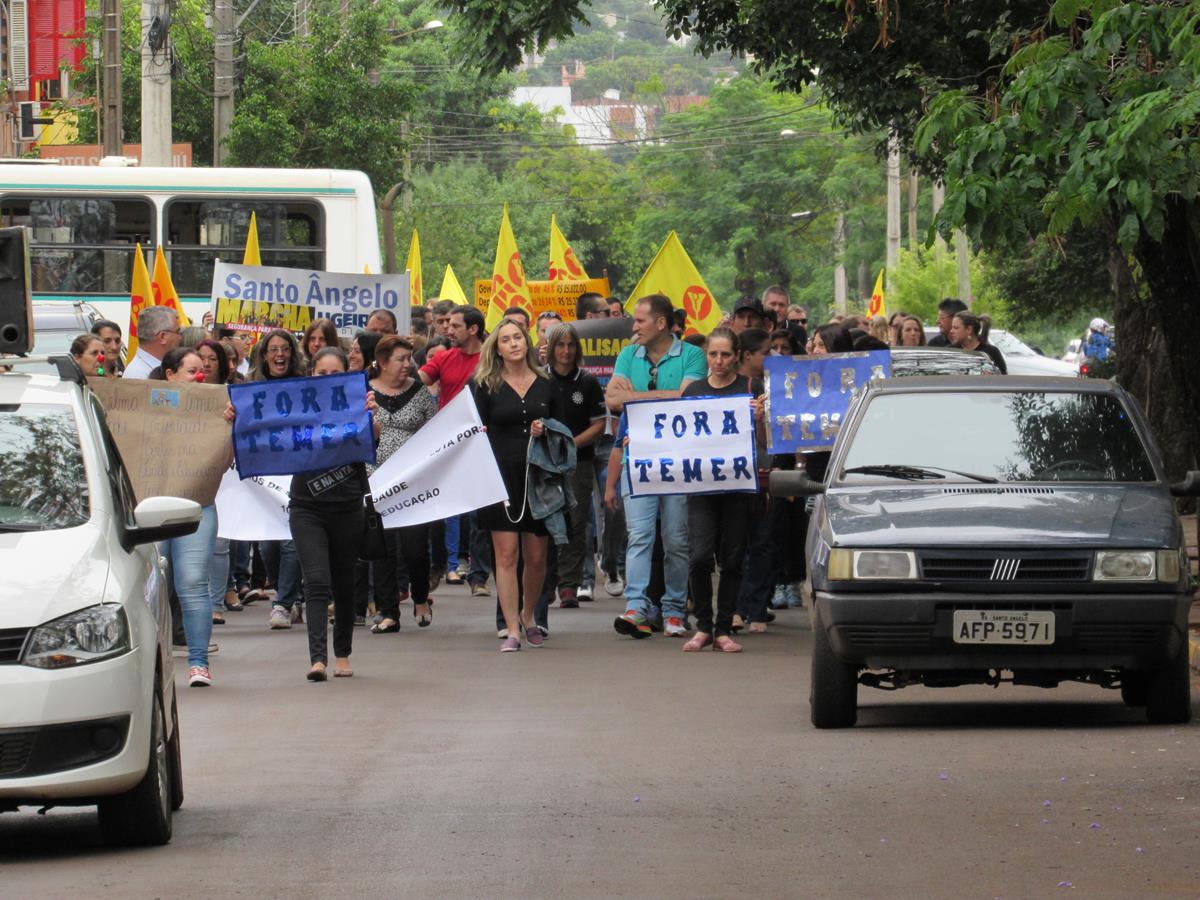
(372, 546)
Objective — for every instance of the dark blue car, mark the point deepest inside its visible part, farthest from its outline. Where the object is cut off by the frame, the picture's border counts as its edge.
(973, 531)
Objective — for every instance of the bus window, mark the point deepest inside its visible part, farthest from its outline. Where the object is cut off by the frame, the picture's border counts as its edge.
(201, 231)
(81, 245)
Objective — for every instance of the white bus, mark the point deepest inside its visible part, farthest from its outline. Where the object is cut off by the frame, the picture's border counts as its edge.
(87, 220)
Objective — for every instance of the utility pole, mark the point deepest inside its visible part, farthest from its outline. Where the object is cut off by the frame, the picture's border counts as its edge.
(893, 209)
(962, 254)
(224, 28)
(839, 265)
(301, 18)
(912, 210)
(939, 200)
(110, 50)
(156, 84)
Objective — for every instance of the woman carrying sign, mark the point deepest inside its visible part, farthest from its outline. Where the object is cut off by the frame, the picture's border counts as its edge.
(718, 523)
(405, 404)
(514, 395)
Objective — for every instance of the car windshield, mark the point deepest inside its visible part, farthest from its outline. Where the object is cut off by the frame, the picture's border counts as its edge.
(43, 483)
(1018, 436)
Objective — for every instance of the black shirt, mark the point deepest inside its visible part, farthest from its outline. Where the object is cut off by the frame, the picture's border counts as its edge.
(583, 404)
(743, 384)
(938, 340)
(508, 416)
(341, 487)
(996, 356)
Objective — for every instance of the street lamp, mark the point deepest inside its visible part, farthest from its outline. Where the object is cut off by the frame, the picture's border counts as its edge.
(431, 25)
(787, 132)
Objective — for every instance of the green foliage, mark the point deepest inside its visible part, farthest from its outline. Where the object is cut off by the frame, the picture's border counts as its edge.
(925, 277)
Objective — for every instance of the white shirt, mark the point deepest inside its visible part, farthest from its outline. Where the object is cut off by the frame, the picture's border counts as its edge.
(244, 367)
(141, 365)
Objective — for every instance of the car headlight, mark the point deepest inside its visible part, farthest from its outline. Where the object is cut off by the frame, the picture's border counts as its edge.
(87, 636)
(872, 565)
(1125, 565)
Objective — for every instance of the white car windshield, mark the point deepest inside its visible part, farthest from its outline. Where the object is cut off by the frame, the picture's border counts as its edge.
(43, 482)
(1009, 344)
(988, 436)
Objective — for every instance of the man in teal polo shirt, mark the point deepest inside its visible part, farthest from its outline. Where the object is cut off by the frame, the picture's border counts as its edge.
(656, 366)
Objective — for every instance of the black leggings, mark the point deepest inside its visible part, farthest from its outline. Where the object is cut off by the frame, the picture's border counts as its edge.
(327, 543)
(717, 526)
(411, 544)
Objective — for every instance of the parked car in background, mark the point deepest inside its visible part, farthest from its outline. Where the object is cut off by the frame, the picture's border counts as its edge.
(908, 361)
(56, 324)
(87, 694)
(1072, 353)
(980, 530)
(1020, 358)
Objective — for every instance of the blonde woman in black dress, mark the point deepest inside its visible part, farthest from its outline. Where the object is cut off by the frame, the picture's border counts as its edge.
(514, 396)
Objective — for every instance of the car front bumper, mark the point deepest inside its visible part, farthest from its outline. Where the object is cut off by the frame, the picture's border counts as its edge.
(59, 725)
(914, 630)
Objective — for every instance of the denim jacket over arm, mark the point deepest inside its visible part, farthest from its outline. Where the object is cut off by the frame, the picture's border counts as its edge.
(551, 461)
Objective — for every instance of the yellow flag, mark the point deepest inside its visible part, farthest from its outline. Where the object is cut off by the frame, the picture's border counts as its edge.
(416, 286)
(674, 274)
(509, 287)
(877, 305)
(251, 256)
(451, 289)
(164, 290)
(563, 264)
(140, 296)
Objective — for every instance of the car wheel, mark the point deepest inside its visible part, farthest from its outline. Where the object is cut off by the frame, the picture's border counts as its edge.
(142, 816)
(833, 695)
(1134, 688)
(175, 752)
(1169, 692)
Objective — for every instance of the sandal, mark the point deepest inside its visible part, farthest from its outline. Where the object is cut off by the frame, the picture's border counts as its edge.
(381, 628)
(738, 624)
(453, 577)
(341, 669)
(699, 641)
(726, 644)
(424, 620)
(317, 672)
(232, 603)
(218, 619)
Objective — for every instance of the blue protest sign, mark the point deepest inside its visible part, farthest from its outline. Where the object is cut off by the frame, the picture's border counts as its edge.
(691, 445)
(292, 425)
(807, 396)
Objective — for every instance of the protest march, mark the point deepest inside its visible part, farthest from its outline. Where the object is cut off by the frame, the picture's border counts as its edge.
(357, 444)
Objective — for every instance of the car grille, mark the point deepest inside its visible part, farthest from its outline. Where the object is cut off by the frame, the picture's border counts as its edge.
(888, 635)
(11, 642)
(15, 747)
(1119, 636)
(1001, 568)
(998, 490)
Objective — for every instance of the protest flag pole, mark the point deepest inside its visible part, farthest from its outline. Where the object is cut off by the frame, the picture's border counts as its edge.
(509, 287)
(140, 296)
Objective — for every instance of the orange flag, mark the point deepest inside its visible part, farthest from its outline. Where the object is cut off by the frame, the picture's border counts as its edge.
(139, 298)
(164, 289)
(509, 287)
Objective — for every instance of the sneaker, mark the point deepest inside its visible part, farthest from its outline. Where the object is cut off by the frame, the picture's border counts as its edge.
(585, 593)
(614, 586)
(533, 636)
(568, 598)
(480, 590)
(675, 627)
(510, 644)
(298, 614)
(502, 633)
(199, 676)
(794, 598)
(280, 618)
(253, 596)
(633, 624)
(778, 598)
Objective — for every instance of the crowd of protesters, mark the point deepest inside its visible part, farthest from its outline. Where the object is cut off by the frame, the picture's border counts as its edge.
(531, 387)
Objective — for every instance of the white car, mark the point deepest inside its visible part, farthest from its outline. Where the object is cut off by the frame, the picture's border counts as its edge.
(87, 694)
(1072, 354)
(1021, 359)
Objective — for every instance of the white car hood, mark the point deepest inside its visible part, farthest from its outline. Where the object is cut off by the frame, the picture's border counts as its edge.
(48, 574)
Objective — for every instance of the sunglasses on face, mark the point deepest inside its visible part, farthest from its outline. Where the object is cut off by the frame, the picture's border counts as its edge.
(652, 384)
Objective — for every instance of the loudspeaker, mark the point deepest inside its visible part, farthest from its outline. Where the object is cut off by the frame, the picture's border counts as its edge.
(16, 301)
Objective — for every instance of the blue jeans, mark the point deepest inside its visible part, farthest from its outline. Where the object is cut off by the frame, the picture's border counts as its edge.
(218, 574)
(641, 513)
(191, 558)
(481, 552)
(281, 556)
(452, 543)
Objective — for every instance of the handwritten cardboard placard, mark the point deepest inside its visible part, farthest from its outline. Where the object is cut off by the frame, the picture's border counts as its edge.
(808, 396)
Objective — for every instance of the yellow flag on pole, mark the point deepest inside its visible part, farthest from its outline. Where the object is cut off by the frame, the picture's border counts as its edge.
(674, 274)
(416, 285)
(163, 288)
(563, 264)
(451, 289)
(509, 287)
(140, 296)
(251, 256)
(877, 305)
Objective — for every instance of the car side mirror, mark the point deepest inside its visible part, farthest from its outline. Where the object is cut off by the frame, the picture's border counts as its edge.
(794, 483)
(162, 518)
(1189, 487)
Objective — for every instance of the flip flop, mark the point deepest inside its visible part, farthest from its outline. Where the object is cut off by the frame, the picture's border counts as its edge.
(343, 673)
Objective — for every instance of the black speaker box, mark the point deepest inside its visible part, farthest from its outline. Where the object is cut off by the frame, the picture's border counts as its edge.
(16, 303)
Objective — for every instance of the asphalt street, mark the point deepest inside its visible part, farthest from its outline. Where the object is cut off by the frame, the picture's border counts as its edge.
(598, 766)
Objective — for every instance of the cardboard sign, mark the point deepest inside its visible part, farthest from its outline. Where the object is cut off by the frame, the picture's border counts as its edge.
(691, 445)
(445, 469)
(547, 296)
(172, 435)
(807, 396)
(292, 425)
(260, 298)
(602, 341)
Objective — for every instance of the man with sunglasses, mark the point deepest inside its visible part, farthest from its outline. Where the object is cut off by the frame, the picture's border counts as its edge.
(656, 366)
